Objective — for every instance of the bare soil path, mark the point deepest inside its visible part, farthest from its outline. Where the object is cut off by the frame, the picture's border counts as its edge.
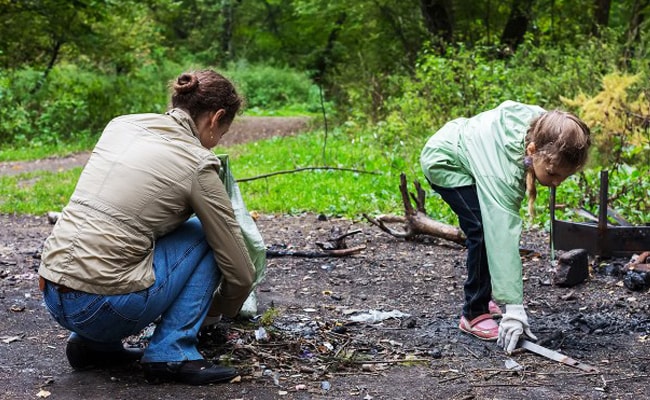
(321, 341)
(243, 129)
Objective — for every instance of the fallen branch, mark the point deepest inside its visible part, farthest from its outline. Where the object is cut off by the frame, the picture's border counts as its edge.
(452, 378)
(336, 240)
(416, 221)
(627, 378)
(291, 171)
(400, 361)
(335, 246)
(270, 253)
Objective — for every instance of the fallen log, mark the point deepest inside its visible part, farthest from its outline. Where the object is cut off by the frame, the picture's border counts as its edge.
(415, 221)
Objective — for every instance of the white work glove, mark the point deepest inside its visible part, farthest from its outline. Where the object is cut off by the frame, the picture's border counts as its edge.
(513, 324)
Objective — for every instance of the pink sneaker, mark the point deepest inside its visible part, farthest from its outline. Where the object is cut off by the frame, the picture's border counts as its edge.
(483, 327)
(495, 311)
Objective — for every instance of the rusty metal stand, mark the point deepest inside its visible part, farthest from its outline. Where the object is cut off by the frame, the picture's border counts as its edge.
(603, 239)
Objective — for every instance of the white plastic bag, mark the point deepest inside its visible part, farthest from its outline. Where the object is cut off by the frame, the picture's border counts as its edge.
(252, 236)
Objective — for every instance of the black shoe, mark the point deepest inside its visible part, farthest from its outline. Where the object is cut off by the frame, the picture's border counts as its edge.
(81, 357)
(195, 372)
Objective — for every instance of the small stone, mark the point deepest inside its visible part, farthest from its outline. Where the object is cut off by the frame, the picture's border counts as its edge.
(572, 269)
(435, 353)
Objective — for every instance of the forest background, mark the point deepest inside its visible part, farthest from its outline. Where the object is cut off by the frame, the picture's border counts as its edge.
(378, 77)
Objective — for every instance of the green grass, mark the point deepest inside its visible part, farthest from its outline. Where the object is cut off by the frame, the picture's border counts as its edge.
(37, 192)
(29, 153)
(375, 189)
(372, 188)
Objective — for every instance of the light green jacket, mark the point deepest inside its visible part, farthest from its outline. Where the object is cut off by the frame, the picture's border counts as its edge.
(147, 175)
(487, 150)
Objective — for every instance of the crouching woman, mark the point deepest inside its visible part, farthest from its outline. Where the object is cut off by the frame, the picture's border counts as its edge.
(150, 235)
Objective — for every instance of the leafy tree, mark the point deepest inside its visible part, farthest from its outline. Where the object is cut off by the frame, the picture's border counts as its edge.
(108, 34)
(38, 32)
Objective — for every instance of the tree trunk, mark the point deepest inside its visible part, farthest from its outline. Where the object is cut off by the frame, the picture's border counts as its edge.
(517, 25)
(437, 20)
(639, 10)
(601, 16)
(54, 55)
(637, 17)
(229, 7)
(325, 59)
(410, 48)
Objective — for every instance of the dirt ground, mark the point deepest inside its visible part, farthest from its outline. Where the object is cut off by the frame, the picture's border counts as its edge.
(379, 324)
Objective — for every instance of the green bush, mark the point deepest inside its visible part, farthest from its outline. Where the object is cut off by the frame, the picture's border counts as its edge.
(267, 88)
(74, 103)
(464, 82)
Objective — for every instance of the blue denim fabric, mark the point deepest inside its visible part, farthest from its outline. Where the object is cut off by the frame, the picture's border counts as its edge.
(186, 277)
(478, 286)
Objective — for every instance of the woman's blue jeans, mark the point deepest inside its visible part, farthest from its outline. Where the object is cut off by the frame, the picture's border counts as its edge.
(186, 277)
(478, 286)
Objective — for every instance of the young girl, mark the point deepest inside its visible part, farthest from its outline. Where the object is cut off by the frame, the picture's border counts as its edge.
(482, 166)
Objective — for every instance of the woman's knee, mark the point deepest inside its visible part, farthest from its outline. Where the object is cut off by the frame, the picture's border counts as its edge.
(192, 228)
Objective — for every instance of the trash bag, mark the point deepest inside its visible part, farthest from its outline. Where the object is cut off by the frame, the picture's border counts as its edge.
(252, 236)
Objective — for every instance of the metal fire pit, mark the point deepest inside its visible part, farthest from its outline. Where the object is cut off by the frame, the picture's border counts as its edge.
(601, 239)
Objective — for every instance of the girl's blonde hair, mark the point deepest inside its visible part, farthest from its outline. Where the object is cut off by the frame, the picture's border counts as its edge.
(563, 139)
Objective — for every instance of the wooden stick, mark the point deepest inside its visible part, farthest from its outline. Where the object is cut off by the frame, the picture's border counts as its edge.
(291, 171)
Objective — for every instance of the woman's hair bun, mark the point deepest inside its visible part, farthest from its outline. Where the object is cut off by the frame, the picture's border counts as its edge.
(186, 83)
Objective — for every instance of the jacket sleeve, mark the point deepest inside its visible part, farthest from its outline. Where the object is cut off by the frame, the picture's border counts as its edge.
(212, 206)
(502, 226)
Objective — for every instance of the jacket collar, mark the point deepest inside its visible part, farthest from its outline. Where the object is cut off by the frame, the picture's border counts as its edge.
(184, 119)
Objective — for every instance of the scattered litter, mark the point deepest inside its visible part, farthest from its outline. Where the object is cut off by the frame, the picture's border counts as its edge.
(274, 375)
(374, 316)
(17, 308)
(368, 367)
(327, 267)
(513, 365)
(11, 339)
(261, 335)
(325, 385)
(43, 394)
